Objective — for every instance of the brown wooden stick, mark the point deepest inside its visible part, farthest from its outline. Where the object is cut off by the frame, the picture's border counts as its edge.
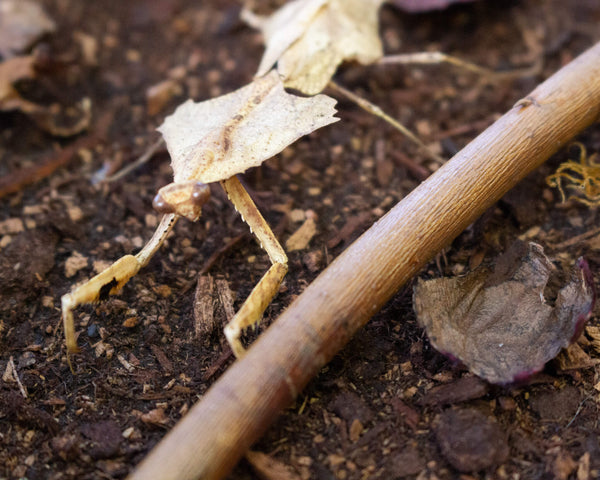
(239, 407)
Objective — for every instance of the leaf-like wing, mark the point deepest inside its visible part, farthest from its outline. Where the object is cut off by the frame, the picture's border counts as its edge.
(216, 139)
(283, 28)
(309, 39)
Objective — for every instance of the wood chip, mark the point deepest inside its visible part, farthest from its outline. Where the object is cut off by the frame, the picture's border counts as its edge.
(594, 333)
(302, 237)
(574, 358)
(461, 390)
(131, 322)
(410, 416)
(226, 296)
(204, 306)
(11, 226)
(356, 428)
(11, 376)
(128, 366)
(103, 348)
(156, 417)
(267, 468)
(583, 469)
(563, 466)
(75, 263)
(75, 213)
(351, 225)
(163, 291)
(160, 94)
(165, 363)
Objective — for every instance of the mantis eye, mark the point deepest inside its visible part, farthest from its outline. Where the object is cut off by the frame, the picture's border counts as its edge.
(200, 193)
(185, 199)
(160, 205)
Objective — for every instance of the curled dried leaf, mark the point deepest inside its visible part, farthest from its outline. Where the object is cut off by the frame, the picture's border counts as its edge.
(498, 321)
(22, 22)
(49, 120)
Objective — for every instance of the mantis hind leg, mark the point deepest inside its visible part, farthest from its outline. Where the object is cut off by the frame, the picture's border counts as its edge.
(261, 296)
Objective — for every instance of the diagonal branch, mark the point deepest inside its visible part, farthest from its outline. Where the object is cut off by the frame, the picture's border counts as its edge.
(240, 406)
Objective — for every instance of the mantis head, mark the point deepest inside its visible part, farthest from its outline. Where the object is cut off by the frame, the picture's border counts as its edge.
(182, 198)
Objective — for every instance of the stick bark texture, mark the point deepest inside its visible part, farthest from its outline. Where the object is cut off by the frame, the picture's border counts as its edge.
(240, 406)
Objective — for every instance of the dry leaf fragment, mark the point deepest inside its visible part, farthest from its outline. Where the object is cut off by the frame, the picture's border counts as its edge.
(574, 358)
(21, 23)
(11, 226)
(497, 321)
(62, 123)
(219, 138)
(11, 71)
(308, 39)
(159, 95)
(593, 333)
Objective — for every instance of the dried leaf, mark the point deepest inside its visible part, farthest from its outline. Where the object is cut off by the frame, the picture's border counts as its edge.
(21, 68)
(21, 23)
(308, 39)
(497, 321)
(574, 358)
(593, 333)
(216, 139)
(11, 71)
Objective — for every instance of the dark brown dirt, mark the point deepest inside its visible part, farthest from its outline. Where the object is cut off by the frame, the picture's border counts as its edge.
(371, 413)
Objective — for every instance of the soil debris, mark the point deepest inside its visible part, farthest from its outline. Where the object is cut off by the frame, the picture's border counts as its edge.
(556, 406)
(469, 440)
(22, 22)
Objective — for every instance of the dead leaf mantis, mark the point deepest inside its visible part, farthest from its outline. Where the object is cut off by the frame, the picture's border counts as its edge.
(212, 141)
(232, 137)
